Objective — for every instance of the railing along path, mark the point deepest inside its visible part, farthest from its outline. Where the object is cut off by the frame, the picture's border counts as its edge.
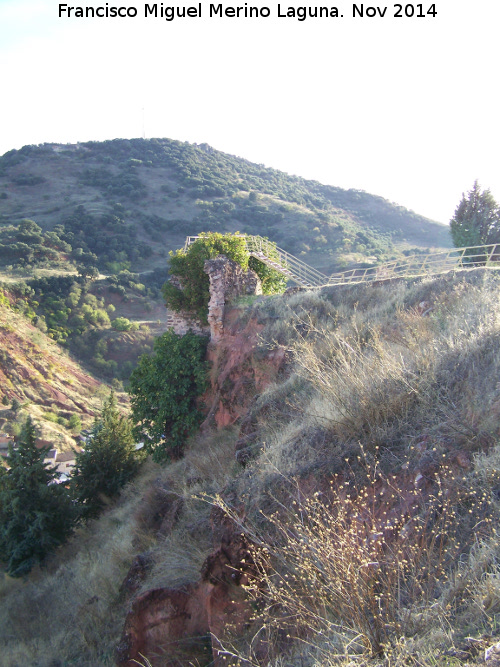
(414, 266)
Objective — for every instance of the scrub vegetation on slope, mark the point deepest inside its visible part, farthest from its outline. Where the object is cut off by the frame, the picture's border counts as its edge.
(367, 496)
(121, 204)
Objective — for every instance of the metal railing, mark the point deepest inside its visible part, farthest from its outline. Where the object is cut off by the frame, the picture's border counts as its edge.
(277, 258)
(486, 256)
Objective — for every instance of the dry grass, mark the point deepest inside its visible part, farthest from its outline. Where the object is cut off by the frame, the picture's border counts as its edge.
(73, 611)
(376, 383)
(70, 611)
(370, 562)
(379, 398)
(180, 550)
(378, 372)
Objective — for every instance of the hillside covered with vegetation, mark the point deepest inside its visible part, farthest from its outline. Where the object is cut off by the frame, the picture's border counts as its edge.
(105, 324)
(319, 487)
(123, 204)
(339, 505)
(86, 230)
(39, 379)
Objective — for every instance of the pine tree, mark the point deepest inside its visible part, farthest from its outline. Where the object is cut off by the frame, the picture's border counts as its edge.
(36, 514)
(476, 220)
(108, 462)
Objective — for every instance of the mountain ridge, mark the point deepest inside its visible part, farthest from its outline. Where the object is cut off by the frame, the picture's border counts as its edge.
(163, 190)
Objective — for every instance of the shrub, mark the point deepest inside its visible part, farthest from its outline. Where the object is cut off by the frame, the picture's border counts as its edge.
(4, 301)
(367, 561)
(164, 389)
(121, 324)
(75, 423)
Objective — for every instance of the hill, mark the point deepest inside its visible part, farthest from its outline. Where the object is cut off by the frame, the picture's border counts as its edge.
(125, 203)
(65, 338)
(106, 324)
(339, 505)
(42, 380)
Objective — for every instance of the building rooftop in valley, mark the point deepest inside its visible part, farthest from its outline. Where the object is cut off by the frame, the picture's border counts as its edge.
(63, 457)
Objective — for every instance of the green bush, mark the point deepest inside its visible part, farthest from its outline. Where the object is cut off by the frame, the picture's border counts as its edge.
(121, 324)
(75, 423)
(164, 389)
(4, 301)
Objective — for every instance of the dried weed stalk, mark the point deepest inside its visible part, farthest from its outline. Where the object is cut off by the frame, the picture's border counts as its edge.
(362, 564)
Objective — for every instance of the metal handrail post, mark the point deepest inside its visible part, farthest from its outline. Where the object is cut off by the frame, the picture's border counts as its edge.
(488, 260)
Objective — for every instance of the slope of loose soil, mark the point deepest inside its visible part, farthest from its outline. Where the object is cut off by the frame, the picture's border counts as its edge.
(43, 378)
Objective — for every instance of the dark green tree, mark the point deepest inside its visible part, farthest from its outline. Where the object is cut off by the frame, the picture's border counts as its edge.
(108, 462)
(476, 220)
(36, 514)
(87, 271)
(164, 389)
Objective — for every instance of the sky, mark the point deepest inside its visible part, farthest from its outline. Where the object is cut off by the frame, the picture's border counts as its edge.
(405, 108)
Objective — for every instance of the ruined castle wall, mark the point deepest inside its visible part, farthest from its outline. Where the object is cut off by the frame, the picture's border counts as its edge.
(228, 281)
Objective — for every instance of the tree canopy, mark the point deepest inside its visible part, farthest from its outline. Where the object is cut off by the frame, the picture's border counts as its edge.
(108, 462)
(476, 220)
(164, 389)
(36, 514)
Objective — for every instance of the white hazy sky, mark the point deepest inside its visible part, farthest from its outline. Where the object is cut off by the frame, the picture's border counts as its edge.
(406, 108)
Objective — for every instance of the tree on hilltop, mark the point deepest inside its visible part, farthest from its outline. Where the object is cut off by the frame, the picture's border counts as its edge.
(476, 220)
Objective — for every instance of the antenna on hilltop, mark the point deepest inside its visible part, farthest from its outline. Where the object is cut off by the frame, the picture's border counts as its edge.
(143, 124)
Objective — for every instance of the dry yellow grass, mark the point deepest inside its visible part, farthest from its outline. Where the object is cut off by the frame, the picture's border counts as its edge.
(378, 383)
(371, 380)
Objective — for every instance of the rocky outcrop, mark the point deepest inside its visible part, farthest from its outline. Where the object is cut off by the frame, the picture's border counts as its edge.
(137, 573)
(174, 627)
(167, 626)
(243, 370)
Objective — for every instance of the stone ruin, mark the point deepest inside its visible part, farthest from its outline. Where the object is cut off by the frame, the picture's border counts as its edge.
(228, 281)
